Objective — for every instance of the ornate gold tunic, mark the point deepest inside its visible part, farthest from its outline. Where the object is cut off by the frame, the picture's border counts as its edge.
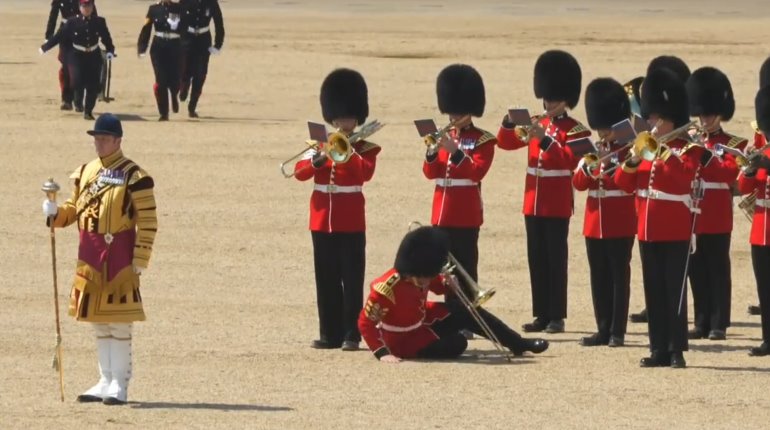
(113, 203)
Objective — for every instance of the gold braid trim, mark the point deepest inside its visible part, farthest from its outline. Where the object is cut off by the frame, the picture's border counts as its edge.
(735, 141)
(386, 288)
(367, 146)
(577, 129)
(485, 138)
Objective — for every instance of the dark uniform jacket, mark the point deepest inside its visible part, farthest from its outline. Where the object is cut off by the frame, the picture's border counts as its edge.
(199, 15)
(83, 34)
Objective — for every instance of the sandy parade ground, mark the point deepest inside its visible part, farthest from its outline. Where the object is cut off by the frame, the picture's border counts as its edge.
(230, 293)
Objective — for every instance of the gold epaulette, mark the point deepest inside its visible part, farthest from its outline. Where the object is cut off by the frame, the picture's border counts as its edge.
(485, 137)
(666, 153)
(367, 146)
(577, 129)
(735, 141)
(386, 288)
(755, 126)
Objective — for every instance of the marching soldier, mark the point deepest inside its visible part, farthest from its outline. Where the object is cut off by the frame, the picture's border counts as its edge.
(459, 163)
(337, 214)
(169, 20)
(113, 205)
(682, 71)
(711, 100)
(399, 322)
(663, 187)
(610, 216)
(198, 48)
(81, 35)
(555, 143)
(755, 178)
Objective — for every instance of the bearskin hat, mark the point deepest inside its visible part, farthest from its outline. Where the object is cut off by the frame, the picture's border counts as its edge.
(664, 94)
(344, 95)
(423, 252)
(671, 62)
(606, 103)
(558, 77)
(460, 90)
(764, 74)
(710, 93)
(762, 109)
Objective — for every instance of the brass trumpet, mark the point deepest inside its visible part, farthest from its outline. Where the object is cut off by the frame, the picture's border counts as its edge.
(338, 146)
(431, 140)
(522, 131)
(746, 205)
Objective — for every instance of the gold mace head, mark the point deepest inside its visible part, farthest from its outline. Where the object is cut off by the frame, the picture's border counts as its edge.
(50, 188)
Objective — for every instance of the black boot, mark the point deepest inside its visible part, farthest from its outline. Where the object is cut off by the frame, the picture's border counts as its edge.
(555, 326)
(677, 360)
(761, 350)
(539, 324)
(656, 359)
(535, 346)
(174, 102)
(66, 106)
(595, 339)
(641, 317)
(697, 333)
(193, 105)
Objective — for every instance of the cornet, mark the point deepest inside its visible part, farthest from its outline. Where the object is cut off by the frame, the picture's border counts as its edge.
(522, 131)
(431, 140)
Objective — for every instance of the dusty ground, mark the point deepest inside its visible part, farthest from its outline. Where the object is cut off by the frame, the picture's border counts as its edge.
(230, 295)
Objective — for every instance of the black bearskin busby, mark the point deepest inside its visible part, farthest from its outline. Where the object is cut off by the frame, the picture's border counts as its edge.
(764, 74)
(460, 90)
(664, 94)
(423, 252)
(558, 77)
(710, 93)
(606, 103)
(762, 109)
(670, 62)
(344, 95)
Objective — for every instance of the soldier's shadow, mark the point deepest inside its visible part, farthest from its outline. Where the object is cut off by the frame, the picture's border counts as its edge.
(732, 368)
(475, 356)
(129, 117)
(719, 348)
(236, 407)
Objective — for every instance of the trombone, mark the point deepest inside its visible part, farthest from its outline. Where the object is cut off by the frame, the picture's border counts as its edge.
(338, 146)
(431, 140)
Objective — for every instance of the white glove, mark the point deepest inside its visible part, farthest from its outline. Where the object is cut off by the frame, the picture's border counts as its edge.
(213, 50)
(110, 55)
(138, 270)
(174, 23)
(142, 55)
(50, 208)
(40, 50)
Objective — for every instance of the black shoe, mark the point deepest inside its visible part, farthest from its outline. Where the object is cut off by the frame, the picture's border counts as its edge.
(174, 104)
(163, 118)
(66, 106)
(555, 326)
(755, 310)
(761, 350)
(595, 339)
(78, 108)
(677, 360)
(655, 359)
(112, 401)
(641, 317)
(537, 325)
(87, 398)
(192, 114)
(535, 346)
(89, 116)
(717, 335)
(183, 94)
(350, 345)
(697, 333)
(616, 341)
(325, 344)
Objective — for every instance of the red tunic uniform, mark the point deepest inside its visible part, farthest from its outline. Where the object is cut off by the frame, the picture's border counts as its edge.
(548, 187)
(457, 197)
(759, 140)
(760, 233)
(716, 178)
(337, 203)
(610, 211)
(663, 190)
(398, 316)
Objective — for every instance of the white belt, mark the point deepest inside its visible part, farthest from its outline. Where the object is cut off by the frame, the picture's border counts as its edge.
(660, 195)
(335, 189)
(607, 193)
(397, 329)
(201, 30)
(64, 20)
(449, 182)
(714, 186)
(543, 173)
(763, 203)
(169, 36)
(85, 48)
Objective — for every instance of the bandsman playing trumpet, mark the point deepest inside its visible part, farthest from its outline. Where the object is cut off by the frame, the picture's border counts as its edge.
(400, 322)
(337, 215)
(662, 183)
(610, 215)
(711, 99)
(459, 162)
(755, 178)
(555, 144)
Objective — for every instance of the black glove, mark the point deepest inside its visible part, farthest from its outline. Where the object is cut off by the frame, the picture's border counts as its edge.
(319, 159)
(506, 123)
(545, 143)
(764, 162)
(705, 158)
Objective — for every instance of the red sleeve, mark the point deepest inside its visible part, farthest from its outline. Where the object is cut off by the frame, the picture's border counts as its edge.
(580, 180)
(304, 169)
(759, 140)
(433, 169)
(625, 178)
(476, 166)
(560, 154)
(722, 170)
(684, 166)
(437, 286)
(507, 139)
(746, 184)
(375, 309)
(368, 163)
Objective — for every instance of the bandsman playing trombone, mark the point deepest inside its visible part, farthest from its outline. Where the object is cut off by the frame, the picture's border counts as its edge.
(755, 178)
(555, 143)
(337, 215)
(400, 322)
(662, 177)
(711, 99)
(610, 215)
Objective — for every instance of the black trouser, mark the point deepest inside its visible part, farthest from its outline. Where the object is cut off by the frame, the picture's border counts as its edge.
(610, 263)
(663, 272)
(195, 68)
(340, 262)
(760, 259)
(547, 253)
(166, 58)
(711, 282)
(86, 71)
(449, 343)
(464, 245)
(65, 80)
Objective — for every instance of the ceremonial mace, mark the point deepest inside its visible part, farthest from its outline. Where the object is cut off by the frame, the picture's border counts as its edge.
(50, 188)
